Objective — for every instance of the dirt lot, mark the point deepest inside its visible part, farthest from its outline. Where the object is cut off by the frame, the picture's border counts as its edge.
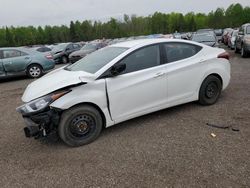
(170, 148)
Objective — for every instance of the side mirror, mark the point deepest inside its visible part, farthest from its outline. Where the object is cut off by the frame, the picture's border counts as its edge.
(117, 69)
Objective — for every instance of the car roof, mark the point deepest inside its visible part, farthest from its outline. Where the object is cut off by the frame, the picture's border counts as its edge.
(140, 42)
(13, 48)
(246, 24)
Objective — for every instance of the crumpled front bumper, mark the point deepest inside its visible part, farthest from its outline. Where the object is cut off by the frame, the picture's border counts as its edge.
(41, 124)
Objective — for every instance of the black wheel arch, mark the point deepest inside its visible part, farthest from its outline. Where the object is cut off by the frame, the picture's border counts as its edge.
(216, 75)
(34, 63)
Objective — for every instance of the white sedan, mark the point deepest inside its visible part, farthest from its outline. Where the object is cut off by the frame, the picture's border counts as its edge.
(121, 82)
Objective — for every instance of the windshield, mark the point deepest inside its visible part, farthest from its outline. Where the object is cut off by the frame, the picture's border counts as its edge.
(59, 47)
(203, 38)
(248, 30)
(89, 47)
(96, 60)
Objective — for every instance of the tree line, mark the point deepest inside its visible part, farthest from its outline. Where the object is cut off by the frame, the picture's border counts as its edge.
(234, 16)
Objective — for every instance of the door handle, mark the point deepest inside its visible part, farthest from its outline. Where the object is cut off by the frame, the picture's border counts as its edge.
(159, 74)
(201, 60)
(26, 58)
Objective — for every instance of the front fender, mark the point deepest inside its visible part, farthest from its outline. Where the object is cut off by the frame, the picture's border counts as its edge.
(92, 92)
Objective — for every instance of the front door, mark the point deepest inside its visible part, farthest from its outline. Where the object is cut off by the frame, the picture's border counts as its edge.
(141, 88)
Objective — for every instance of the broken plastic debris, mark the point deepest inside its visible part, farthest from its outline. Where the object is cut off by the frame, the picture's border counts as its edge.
(217, 126)
(213, 135)
(223, 127)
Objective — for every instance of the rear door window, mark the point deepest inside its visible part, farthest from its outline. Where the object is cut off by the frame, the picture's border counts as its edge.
(178, 51)
(70, 47)
(76, 46)
(11, 53)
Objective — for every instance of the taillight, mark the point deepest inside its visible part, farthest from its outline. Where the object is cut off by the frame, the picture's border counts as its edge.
(224, 55)
(49, 56)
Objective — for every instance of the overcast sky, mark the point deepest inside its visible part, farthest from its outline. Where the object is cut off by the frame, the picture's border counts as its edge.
(57, 12)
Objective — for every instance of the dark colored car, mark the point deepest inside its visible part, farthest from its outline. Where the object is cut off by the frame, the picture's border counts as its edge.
(85, 50)
(242, 42)
(205, 38)
(23, 61)
(62, 51)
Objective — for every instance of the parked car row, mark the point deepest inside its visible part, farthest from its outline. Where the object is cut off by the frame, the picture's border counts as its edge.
(238, 39)
(36, 60)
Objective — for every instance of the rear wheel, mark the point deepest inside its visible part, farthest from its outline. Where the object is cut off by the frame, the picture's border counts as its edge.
(210, 90)
(243, 52)
(80, 125)
(64, 59)
(34, 71)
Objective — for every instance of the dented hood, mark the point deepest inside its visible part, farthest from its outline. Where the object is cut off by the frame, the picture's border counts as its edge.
(53, 81)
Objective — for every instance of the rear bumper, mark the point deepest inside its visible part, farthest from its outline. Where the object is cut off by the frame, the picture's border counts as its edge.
(49, 65)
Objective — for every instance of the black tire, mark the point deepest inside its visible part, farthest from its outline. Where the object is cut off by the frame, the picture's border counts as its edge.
(34, 71)
(243, 52)
(210, 90)
(236, 50)
(80, 125)
(64, 60)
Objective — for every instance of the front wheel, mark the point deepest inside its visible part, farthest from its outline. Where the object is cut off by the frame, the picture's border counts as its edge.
(210, 90)
(80, 125)
(34, 71)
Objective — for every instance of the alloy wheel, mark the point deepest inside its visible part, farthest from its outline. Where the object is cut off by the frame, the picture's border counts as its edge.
(35, 71)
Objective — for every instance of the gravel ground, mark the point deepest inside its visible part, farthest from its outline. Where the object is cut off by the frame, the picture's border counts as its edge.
(169, 148)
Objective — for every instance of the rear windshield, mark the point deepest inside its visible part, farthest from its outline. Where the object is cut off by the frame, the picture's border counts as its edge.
(96, 60)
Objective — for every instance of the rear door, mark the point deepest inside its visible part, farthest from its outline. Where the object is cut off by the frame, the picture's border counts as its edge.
(15, 61)
(182, 69)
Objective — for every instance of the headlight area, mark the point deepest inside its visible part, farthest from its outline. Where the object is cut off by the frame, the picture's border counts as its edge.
(39, 117)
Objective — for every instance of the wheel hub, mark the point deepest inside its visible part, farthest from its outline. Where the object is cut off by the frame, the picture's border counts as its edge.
(34, 71)
(81, 125)
(211, 90)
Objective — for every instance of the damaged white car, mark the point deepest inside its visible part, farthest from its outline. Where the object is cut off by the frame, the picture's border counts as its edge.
(121, 82)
